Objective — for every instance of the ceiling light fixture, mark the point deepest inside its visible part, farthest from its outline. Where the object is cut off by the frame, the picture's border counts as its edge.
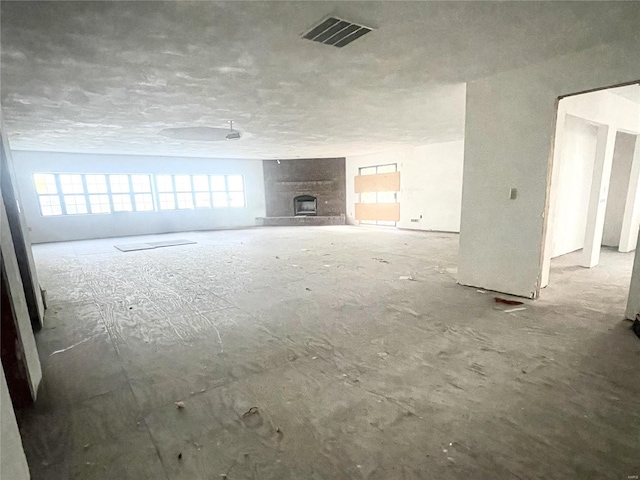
(233, 134)
(202, 134)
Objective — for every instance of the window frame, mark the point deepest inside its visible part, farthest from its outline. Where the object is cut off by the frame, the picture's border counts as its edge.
(382, 223)
(154, 191)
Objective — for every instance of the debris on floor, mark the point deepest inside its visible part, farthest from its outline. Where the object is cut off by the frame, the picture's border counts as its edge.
(517, 309)
(408, 310)
(72, 346)
(307, 288)
(252, 418)
(180, 405)
(381, 260)
(411, 279)
(251, 411)
(132, 247)
(481, 291)
(507, 301)
(636, 325)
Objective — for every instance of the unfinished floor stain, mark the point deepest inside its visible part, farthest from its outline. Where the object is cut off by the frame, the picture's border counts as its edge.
(289, 369)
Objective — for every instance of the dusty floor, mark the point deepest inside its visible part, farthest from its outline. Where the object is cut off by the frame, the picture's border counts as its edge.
(353, 372)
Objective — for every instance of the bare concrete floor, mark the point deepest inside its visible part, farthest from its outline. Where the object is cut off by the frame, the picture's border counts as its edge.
(299, 353)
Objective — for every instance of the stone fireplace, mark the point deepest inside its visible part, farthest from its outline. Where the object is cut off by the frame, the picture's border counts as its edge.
(310, 191)
(305, 205)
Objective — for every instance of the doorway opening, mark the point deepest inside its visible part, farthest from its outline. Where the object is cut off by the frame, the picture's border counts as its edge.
(593, 206)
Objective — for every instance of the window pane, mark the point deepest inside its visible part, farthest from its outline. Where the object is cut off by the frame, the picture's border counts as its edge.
(99, 203)
(201, 183)
(235, 183)
(236, 199)
(219, 199)
(75, 204)
(185, 200)
(165, 184)
(144, 202)
(71, 184)
(96, 183)
(367, 170)
(386, 168)
(203, 199)
(183, 184)
(45, 183)
(50, 205)
(141, 183)
(167, 201)
(217, 184)
(386, 197)
(122, 203)
(368, 197)
(119, 184)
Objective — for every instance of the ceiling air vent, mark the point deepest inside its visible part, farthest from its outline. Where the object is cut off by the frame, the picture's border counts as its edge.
(336, 32)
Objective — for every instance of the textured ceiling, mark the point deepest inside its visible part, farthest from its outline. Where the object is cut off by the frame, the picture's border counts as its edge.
(108, 76)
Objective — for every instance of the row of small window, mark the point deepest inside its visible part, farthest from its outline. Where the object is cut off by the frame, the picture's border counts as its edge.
(73, 194)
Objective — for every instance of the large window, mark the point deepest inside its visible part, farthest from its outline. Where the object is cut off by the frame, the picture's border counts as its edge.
(120, 193)
(74, 194)
(142, 193)
(227, 191)
(98, 193)
(184, 191)
(47, 190)
(200, 191)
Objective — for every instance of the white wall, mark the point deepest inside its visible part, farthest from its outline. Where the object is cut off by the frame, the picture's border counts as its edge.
(574, 185)
(604, 110)
(573, 162)
(13, 463)
(618, 188)
(430, 184)
(508, 133)
(432, 188)
(27, 348)
(76, 227)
